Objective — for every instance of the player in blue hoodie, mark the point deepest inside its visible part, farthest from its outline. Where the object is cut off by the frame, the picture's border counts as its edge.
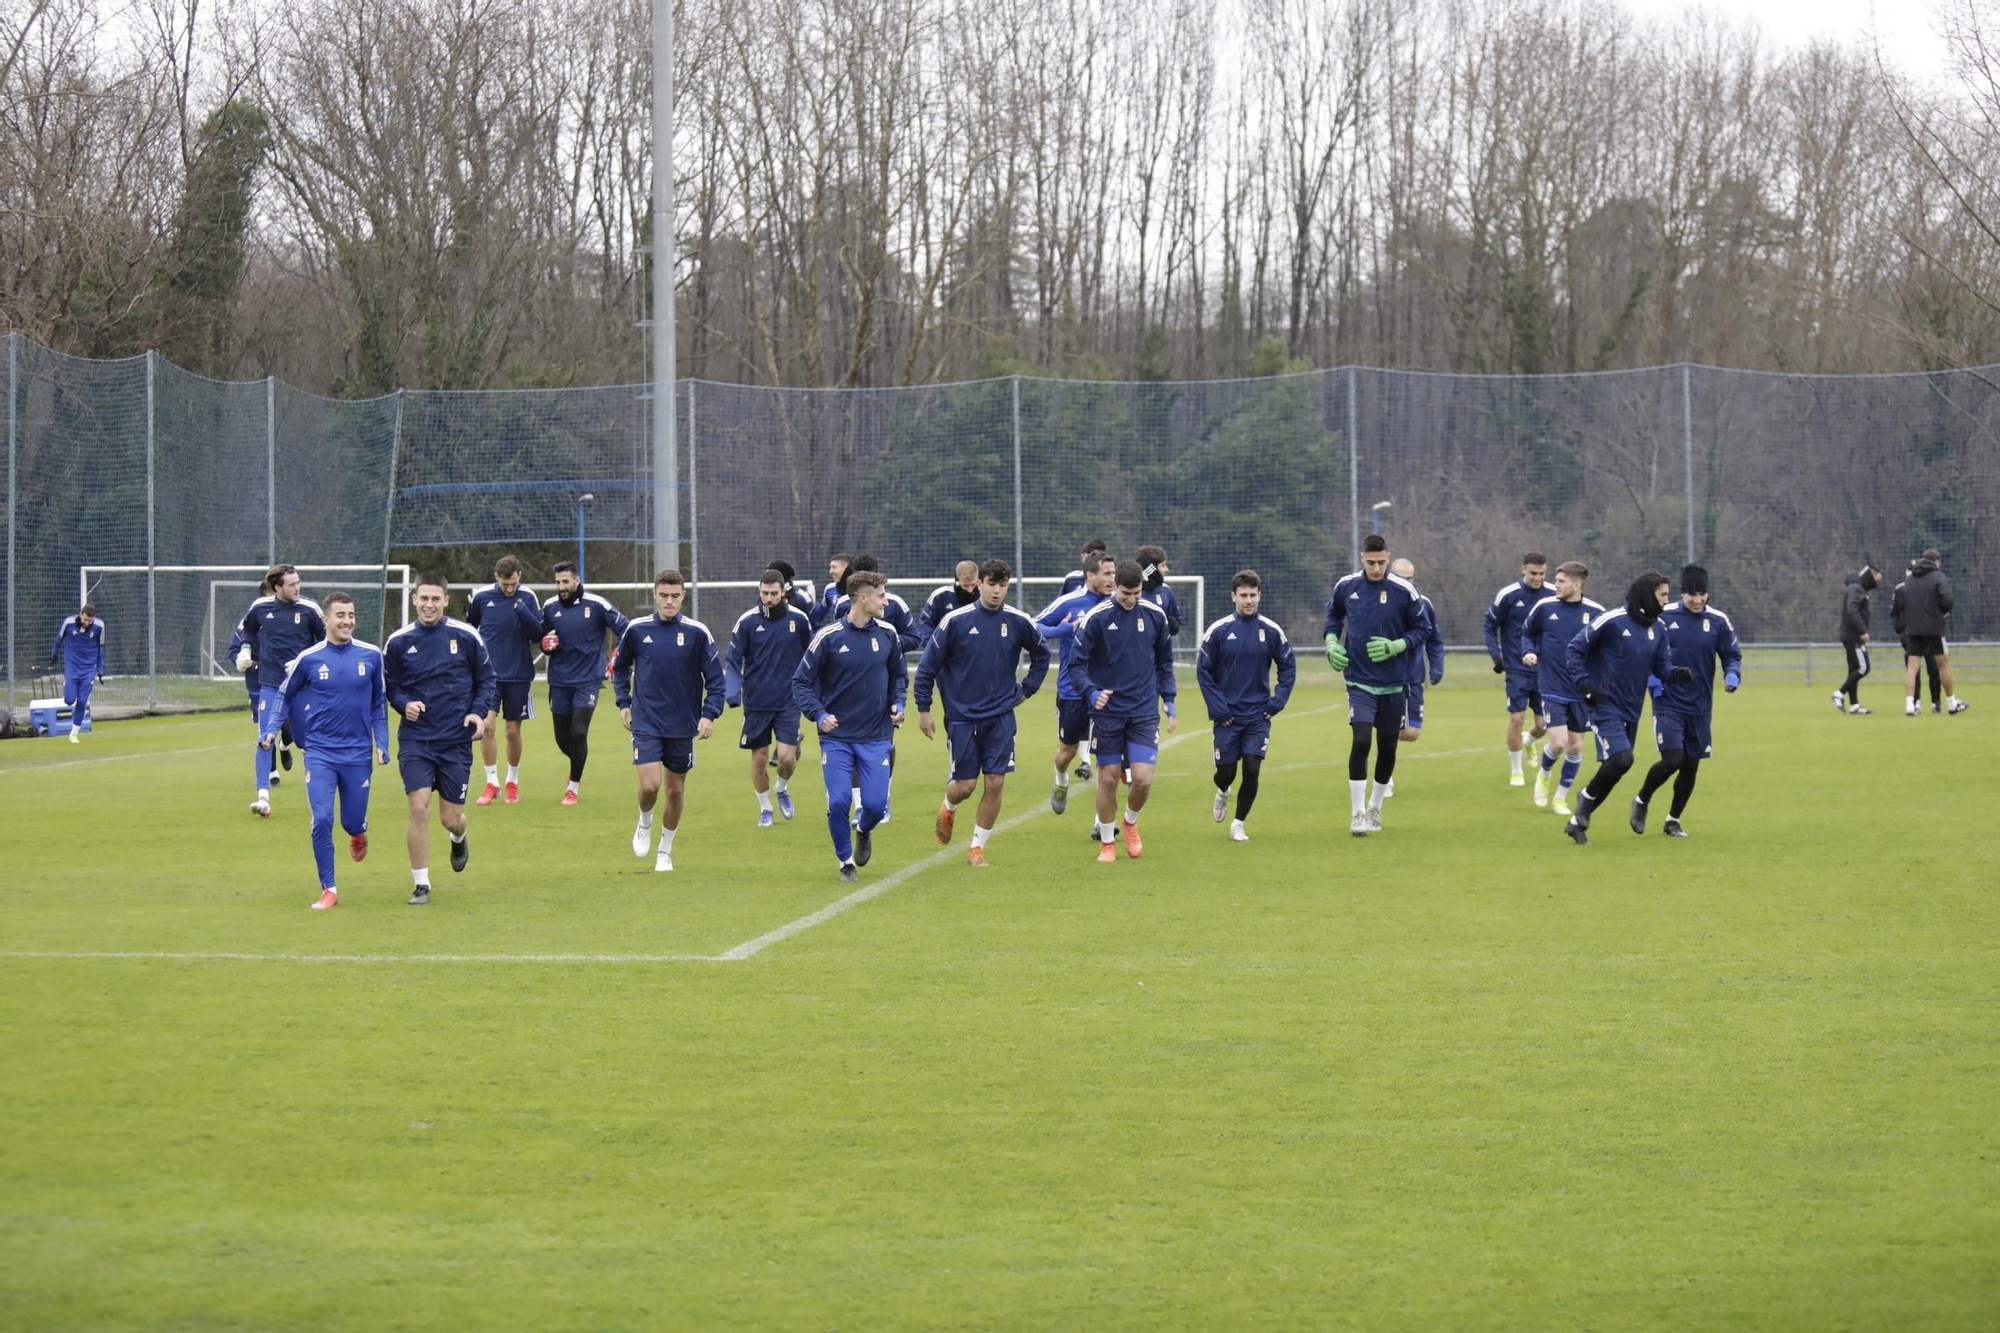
(1701, 636)
(850, 684)
(1610, 661)
(668, 679)
(1122, 667)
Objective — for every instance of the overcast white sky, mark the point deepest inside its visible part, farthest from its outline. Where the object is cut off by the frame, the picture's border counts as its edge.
(1905, 28)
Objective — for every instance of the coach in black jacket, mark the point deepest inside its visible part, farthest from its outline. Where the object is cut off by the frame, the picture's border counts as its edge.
(1926, 603)
(1854, 607)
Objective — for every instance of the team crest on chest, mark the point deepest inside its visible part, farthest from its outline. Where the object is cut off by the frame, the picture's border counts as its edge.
(874, 644)
(454, 646)
(1384, 596)
(680, 638)
(360, 668)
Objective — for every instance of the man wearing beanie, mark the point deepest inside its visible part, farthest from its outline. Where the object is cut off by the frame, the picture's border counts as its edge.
(1611, 659)
(1699, 636)
(1854, 604)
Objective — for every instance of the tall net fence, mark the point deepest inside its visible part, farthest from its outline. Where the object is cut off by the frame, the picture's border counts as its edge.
(1781, 484)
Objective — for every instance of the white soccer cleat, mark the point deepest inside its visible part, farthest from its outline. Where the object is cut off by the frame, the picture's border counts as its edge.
(1544, 780)
(1517, 779)
(1561, 805)
(1839, 702)
(642, 840)
(1236, 833)
(1389, 789)
(75, 736)
(1221, 807)
(662, 863)
(261, 807)
(1374, 819)
(1358, 826)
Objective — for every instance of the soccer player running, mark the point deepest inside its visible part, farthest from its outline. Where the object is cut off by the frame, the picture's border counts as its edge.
(1611, 660)
(896, 613)
(79, 650)
(973, 657)
(1854, 636)
(668, 678)
(334, 693)
(440, 679)
(1233, 669)
(1373, 618)
(963, 590)
(1417, 666)
(1057, 624)
(1122, 664)
(764, 650)
(573, 630)
(1700, 635)
(508, 618)
(823, 613)
(278, 627)
(850, 684)
(1153, 568)
(1504, 617)
(1552, 623)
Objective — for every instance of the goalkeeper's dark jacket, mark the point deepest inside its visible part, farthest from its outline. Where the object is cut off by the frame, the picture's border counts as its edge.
(1616, 654)
(580, 627)
(446, 668)
(1389, 609)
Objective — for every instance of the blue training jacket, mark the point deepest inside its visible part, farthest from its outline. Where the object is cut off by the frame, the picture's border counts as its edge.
(81, 650)
(511, 627)
(1360, 610)
(973, 657)
(278, 631)
(1057, 623)
(447, 669)
(580, 627)
(1550, 626)
(856, 674)
(1616, 654)
(1234, 665)
(336, 701)
(669, 674)
(1699, 642)
(1505, 615)
(764, 651)
(1129, 653)
(896, 612)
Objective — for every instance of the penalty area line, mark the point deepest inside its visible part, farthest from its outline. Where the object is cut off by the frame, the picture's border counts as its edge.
(369, 958)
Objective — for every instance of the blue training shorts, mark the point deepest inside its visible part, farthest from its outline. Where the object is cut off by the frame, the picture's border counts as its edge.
(985, 746)
(446, 771)
(1614, 731)
(1125, 740)
(676, 752)
(517, 700)
(1682, 731)
(569, 698)
(1375, 710)
(1524, 693)
(1565, 713)
(1242, 737)
(1072, 721)
(760, 727)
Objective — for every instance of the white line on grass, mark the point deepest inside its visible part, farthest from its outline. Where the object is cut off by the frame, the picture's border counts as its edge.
(114, 758)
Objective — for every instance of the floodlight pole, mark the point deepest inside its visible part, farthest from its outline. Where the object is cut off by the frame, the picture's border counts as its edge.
(1375, 512)
(666, 461)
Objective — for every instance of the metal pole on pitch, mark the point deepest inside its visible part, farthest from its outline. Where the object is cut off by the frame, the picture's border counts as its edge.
(271, 466)
(582, 505)
(1687, 447)
(1021, 589)
(1353, 470)
(666, 465)
(694, 505)
(152, 591)
(13, 427)
(389, 521)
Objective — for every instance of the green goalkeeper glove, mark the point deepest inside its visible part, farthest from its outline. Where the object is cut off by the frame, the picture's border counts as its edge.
(1336, 655)
(1381, 650)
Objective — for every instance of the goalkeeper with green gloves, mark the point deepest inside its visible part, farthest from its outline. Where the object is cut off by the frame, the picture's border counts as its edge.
(1373, 618)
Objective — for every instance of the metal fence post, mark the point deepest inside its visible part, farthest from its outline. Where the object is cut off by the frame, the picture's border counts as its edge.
(152, 591)
(694, 502)
(271, 466)
(389, 516)
(1353, 469)
(13, 428)
(1020, 568)
(1687, 448)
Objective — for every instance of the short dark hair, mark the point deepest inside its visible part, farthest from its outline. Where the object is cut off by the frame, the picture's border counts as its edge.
(1094, 544)
(865, 578)
(865, 564)
(89, 609)
(1153, 555)
(773, 575)
(1576, 569)
(564, 567)
(842, 556)
(1931, 554)
(668, 578)
(429, 580)
(277, 574)
(1129, 574)
(1534, 558)
(333, 599)
(1374, 542)
(1245, 578)
(995, 571)
(784, 571)
(506, 567)
(1093, 559)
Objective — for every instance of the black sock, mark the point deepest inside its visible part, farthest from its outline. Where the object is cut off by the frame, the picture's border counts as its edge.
(1385, 751)
(1357, 754)
(1684, 785)
(1657, 775)
(1246, 796)
(1937, 682)
(579, 741)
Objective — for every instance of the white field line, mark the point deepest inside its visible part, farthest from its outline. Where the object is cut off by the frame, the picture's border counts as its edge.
(115, 758)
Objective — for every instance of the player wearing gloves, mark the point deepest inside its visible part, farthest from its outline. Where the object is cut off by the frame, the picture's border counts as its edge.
(764, 650)
(278, 627)
(668, 681)
(1505, 616)
(1122, 667)
(1233, 669)
(1610, 661)
(850, 683)
(79, 651)
(573, 630)
(1372, 619)
(972, 659)
(1700, 635)
(439, 679)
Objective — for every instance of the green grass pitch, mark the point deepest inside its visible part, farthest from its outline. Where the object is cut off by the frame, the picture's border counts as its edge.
(1461, 1074)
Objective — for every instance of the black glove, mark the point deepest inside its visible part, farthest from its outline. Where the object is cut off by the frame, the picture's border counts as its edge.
(1682, 675)
(1589, 692)
(1499, 666)
(54, 658)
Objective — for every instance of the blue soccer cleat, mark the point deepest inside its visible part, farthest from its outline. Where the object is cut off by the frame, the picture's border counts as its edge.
(785, 804)
(765, 819)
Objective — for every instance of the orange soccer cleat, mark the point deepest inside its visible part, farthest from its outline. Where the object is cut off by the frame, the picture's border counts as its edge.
(1132, 844)
(946, 818)
(975, 856)
(513, 796)
(327, 898)
(1106, 854)
(357, 846)
(569, 798)
(486, 797)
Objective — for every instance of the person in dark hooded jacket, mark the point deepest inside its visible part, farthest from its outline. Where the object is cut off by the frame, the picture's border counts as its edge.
(1924, 604)
(1854, 606)
(1611, 659)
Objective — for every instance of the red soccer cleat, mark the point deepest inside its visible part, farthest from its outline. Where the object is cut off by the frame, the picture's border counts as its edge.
(327, 898)
(946, 818)
(513, 793)
(1106, 854)
(486, 797)
(569, 798)
(357, 846)
(1132, 844)
(975, 856)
